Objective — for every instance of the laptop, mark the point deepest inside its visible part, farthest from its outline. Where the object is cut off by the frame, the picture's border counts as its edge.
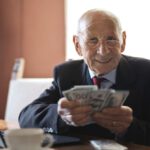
(64, 140)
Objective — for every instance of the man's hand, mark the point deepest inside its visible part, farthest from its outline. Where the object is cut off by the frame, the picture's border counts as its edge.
(115, 119)
(73, 113)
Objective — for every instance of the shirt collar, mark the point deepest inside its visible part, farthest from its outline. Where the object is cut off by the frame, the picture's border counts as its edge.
(111, 76)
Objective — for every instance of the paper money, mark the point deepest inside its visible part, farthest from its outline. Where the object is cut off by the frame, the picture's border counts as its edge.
(107, 145)
(97, 98)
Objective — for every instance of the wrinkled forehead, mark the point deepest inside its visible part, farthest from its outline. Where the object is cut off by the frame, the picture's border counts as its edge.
(97, 21)
(98, 27)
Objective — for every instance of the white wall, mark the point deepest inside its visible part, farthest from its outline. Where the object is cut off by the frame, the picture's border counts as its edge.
(134, 16)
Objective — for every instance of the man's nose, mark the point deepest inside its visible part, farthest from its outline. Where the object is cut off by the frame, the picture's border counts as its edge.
(102, 49)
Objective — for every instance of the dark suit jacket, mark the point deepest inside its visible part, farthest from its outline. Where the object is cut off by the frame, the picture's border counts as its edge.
(133, 74)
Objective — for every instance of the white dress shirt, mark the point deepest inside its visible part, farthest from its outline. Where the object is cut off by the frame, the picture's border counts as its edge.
(110, 78)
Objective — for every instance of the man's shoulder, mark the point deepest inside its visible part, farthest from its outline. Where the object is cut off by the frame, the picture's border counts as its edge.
(136, 60)
(71, 64)
(136, 65)
(71, 70)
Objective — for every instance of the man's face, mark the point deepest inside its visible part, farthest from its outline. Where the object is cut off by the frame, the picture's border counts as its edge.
(101, 44)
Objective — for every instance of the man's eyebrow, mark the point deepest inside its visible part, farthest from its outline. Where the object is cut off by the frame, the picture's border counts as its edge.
(111, 37)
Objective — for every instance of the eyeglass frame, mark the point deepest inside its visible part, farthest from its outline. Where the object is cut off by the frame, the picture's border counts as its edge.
(109, 42)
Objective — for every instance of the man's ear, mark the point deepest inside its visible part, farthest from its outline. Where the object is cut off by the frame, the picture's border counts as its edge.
(77, 45)
(123, 41)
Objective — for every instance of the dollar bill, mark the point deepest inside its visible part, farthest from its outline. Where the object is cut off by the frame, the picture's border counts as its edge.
(97, 98)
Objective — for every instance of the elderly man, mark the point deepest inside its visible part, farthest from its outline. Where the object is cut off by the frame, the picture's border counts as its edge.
(100, 41)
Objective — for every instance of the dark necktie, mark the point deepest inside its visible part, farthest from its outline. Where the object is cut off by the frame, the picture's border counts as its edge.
(97, 81)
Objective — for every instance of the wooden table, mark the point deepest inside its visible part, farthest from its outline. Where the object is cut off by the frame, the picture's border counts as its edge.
(4, 125)
(88, 146)
(83, 146)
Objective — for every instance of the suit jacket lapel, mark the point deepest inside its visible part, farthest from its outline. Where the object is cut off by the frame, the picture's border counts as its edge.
(86, 79)
(125, 76)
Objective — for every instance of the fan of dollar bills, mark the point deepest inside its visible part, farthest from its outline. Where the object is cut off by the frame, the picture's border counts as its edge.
(97, 98)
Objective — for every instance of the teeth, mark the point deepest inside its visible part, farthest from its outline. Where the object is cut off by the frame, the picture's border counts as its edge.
(103, 60)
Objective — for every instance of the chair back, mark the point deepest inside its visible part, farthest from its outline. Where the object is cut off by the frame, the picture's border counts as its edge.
(22, 92)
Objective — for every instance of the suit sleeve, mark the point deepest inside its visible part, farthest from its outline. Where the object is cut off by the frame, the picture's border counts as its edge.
(42, 112)
(138, 132)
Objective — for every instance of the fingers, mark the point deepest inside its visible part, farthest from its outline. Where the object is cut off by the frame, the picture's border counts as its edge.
(72, 107)
(121, 114)
(65, 106)
(73, 113)
(126, 119)
(123, 110)
(118, 127)
(64, 103)
(77, 120)
(115, 119)
(114, 126)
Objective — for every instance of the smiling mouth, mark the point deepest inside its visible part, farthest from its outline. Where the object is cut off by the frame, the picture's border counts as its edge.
(103, 61)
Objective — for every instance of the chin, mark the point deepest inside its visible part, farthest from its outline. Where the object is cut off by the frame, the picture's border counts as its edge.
(102, 69)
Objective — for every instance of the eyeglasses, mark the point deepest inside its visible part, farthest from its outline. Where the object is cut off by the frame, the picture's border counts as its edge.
(96, 42)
